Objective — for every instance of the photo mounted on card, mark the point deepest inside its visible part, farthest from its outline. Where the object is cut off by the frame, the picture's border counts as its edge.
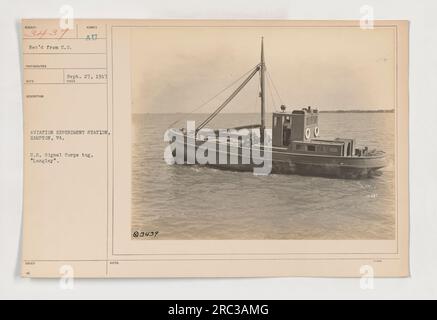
(215, 148)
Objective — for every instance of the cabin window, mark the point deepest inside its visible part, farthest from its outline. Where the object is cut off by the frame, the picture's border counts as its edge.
(299, 147)
(348, 150)
(286, 136)
(333, 149)
(275, 121)
(311, 120)
(311, 148)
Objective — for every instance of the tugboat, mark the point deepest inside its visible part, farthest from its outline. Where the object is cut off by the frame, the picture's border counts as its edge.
(294, 147)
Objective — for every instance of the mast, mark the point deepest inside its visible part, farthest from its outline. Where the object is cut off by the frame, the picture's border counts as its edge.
(262, 93)
(261, 68)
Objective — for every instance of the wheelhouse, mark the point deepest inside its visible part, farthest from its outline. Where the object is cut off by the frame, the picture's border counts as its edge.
(299, 131)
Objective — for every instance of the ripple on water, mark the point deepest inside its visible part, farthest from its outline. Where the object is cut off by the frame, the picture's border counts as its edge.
(193, 202)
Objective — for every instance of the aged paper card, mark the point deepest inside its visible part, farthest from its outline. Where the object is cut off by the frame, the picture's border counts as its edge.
(215, 148)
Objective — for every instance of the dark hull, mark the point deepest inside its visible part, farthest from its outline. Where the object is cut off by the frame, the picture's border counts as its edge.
(328, 166)
(305, 169)
(285, 162)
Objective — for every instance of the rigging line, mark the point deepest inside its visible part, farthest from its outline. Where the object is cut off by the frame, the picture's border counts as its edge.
(215, 96)
(226, 102)
(277, 92)
(272, 98)
(269, 82)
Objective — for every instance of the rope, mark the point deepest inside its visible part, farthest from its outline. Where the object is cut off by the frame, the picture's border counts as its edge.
(276, 90)
(208, 101)
(271, 95)
(232, 96)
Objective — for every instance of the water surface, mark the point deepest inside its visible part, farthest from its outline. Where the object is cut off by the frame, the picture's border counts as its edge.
(192, 202)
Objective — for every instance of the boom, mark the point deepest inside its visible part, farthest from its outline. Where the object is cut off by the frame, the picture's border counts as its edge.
(232, 96)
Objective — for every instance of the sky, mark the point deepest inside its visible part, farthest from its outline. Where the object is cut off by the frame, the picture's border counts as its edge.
(175, 70)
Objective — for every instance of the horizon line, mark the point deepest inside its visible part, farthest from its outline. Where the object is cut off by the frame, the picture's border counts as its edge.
(320, 111)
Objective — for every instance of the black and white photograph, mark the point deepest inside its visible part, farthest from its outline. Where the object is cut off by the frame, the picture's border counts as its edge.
(263, 133)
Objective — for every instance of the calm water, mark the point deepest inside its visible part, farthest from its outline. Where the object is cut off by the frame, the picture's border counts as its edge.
(191, 202)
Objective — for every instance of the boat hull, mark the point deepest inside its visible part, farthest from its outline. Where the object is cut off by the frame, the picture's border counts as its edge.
(240, 158)
(294, 165)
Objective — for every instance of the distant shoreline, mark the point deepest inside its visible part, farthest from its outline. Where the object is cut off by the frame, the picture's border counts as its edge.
(358, 111)
(320, 111)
